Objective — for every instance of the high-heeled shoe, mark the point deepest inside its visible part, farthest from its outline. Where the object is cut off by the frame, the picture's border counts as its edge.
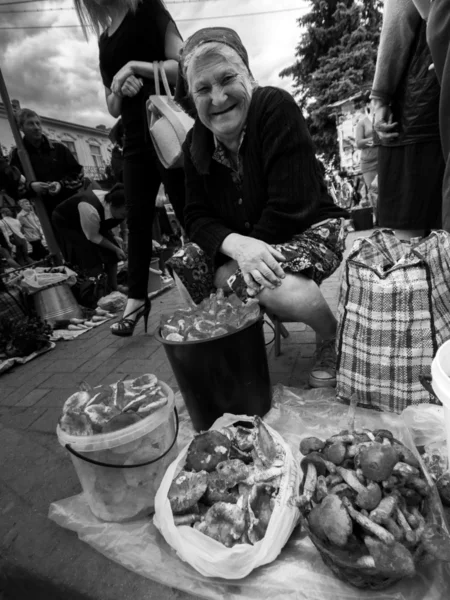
(125, 326)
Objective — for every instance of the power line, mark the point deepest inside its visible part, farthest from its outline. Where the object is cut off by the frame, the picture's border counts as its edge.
(71, 8)
(267, 12)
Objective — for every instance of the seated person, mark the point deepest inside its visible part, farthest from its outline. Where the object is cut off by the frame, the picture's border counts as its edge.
(83, 225)
(12, 231)
(32, 230)
(258, 212)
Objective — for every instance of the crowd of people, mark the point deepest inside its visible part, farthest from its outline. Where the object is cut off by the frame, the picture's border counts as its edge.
(251, 197)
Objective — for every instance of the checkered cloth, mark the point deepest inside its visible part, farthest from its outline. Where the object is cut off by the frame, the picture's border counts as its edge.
(394, 313)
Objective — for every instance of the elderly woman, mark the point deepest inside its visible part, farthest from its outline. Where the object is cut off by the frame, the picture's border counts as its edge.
(257, 210)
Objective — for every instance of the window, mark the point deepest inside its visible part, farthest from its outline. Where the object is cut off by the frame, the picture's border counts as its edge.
(96, 155)
(71, 146)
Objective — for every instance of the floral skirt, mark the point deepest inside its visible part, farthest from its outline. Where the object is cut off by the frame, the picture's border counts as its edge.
(316, 253)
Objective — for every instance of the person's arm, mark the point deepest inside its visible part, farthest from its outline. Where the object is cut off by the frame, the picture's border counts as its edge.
(73, 178)
(290, 168)
(360, 139)
(203, 226)
(172, 47)
(113, 103)
(400, 22)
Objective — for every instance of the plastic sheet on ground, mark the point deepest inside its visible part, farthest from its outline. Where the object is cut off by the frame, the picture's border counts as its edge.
(298, 573)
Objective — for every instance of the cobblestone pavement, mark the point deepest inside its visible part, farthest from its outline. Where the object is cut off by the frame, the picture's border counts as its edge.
(37, 558)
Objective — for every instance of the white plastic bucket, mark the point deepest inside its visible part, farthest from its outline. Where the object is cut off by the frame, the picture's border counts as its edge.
(120, 472)
(440, 374)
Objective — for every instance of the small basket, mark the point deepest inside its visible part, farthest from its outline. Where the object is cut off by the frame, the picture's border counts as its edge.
(361, 577)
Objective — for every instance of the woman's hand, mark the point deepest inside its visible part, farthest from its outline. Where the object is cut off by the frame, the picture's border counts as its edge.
(121, 254)
(120, 77)
(39, 187)
(132, 86)
(384, 123)
(259, 263)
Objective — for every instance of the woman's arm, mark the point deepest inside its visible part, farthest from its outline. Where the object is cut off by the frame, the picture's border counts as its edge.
(290, 168)
(172, 48)
(113, 102)
(203, 227)
(361, 140)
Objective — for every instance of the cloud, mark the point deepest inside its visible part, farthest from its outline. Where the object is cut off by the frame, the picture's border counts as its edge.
(55, 71)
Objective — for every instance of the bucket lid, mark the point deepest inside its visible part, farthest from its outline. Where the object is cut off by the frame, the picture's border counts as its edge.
(105, 441)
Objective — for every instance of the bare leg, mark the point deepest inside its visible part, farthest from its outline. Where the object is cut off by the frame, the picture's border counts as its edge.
(299, 299)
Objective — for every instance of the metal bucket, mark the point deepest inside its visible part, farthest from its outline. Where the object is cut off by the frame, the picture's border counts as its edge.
(56, 302)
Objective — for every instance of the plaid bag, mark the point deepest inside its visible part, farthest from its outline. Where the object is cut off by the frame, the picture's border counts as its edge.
(394, 313)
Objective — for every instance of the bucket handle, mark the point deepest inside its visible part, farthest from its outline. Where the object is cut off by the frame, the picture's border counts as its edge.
(144, 464)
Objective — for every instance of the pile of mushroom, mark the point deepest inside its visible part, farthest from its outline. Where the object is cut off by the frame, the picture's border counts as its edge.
(364, 493)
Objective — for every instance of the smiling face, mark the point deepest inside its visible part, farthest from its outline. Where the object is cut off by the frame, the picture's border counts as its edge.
(222, 93)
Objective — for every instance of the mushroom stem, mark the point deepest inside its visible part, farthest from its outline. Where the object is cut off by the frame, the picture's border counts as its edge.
(410, 535)
(350, 478)
(384, 510)
(380, 532)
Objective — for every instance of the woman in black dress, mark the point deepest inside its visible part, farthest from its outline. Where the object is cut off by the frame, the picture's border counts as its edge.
(133, 34)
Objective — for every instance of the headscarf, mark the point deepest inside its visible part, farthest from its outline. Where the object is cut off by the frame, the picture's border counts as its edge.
(222, 35)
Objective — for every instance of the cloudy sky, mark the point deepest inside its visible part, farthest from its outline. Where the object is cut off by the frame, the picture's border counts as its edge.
(55, 71)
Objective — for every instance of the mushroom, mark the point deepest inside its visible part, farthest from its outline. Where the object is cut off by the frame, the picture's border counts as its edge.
(393, 528)
(384, 510)
(335, 453)
(392, 561)
(318, 461)
(410, 535)
(443, 487)
(419, 485)
(368, 497)
(311, 444)
(368, 524)
(321, 489)
(405, 454)
(405, 470)
(381, 434)
(343, 438)
(335, 520)
(377, 461)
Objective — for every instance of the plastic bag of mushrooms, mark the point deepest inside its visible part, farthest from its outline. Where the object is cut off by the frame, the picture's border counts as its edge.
(367, 504)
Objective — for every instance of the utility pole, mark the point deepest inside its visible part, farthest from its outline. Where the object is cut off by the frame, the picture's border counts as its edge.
(29, 175)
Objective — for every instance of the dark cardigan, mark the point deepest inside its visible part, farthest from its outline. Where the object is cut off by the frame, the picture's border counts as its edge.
(283, 191)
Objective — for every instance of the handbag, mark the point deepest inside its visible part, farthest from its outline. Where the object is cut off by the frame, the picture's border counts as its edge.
(394, 313)
(168, 123)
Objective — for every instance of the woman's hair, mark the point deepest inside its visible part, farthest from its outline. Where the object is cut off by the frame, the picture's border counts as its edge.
(217, 49)
(24, 114)
(116, 196)
(96, 18)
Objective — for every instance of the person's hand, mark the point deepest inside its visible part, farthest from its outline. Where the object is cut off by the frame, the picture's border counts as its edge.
(369, 142)
(120, 77)
(132, 86)
(120, 254)
(54, 188)
(384, 124)
(259, 263)
(39, 187)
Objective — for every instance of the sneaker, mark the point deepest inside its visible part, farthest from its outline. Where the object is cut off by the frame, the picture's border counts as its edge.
(323, 373)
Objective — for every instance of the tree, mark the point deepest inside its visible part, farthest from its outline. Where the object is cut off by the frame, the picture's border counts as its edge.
(336, 59)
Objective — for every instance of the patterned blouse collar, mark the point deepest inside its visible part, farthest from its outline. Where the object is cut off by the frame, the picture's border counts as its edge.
(222, 155)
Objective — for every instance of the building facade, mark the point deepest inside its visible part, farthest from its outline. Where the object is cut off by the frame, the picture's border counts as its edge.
(90, 146)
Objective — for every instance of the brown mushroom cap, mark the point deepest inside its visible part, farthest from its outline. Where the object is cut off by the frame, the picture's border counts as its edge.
(369, 498)
(317, 460)
(311, 444)
(443, 487)
(335, 453)
(335, 521)
(377, 461)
